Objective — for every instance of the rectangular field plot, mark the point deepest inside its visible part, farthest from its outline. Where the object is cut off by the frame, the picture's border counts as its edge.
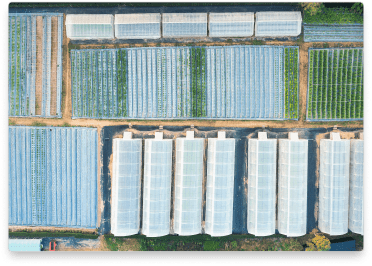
(333, 33)
(53, 177)
(227, 82)
(35, 64)
(335, 89)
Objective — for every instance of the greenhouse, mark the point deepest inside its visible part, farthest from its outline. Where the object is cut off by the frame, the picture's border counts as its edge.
(137, 26)
(333, 33)
(334, 185)
(356, 186)
(53, 176)
(220, 185)
(25, 244)
(35, 64)
(278, 24)
(261, 185)
(184, 25)
(89, 26)
(157, 186)
(292, 194)
(126, 185)
(238, 24)
(220, 82)
(188, 183)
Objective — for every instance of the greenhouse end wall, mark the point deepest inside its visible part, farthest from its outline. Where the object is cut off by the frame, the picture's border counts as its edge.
(157, 187)
(126, 187)
(189, 183)
(334, 186)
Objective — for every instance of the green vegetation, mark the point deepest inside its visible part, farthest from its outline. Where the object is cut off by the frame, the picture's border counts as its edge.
(198, 82)
(41, 234)
(38, 124)
(122, 82)
(335, 84)
(257, 42)
(319, 14)
(291, 66)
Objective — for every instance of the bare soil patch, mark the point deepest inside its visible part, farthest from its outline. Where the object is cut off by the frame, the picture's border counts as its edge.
(53, 67)
(39, 65)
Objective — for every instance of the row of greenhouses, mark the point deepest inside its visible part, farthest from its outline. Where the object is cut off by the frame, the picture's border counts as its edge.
(35, 64)
(218, 82)
(175, 25)
(53, 176)
(336, 212)
(335, 84)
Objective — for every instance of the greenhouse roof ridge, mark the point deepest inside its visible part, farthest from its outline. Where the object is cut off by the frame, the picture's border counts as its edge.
(89, 19)
(137, 18)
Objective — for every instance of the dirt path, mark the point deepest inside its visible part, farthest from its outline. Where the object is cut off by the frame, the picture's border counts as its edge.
(39, 65)
(53, 67)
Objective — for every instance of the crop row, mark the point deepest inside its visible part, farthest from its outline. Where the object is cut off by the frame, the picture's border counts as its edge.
(198, 82)
(291, 83)
(335, 84)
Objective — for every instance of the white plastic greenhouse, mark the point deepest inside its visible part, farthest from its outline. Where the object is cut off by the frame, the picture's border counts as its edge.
(157, 186)
(356, 186)
(220, 186)
(137, 26)
(276, 24)
(184, 25)
(292, 194)
(334, 185)
(238, 24)
(261, 185)
(126, 186)
(189, 181)
(87, 26)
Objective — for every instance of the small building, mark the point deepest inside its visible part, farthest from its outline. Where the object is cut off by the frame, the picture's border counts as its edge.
(220, 185)
(126, 185)
(261, 185)
(89, 26)
(25, 245)
(334, 185)
(157, 186)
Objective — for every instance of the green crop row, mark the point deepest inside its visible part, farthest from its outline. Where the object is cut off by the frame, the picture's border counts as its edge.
(291, 83)
(198, 82)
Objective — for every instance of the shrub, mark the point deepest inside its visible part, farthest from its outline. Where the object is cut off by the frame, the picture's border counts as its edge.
(318, 243)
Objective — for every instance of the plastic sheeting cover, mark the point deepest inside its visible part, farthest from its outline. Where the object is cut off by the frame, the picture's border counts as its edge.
(261, 186)
(220, 186)
(86, 26)
(356, 186)
(137, 26)
(292, 194)
(238, 24)
(25, 244)
(126, 187)
(184, 25)
(157, 187)
(53, 176)
(334, 186)
(278, 23)
(189, 181)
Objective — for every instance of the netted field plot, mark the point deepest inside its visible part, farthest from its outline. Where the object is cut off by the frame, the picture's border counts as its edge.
(35, 64)
(53, 177)
(335, 89)
(333, 33)
(227, 82)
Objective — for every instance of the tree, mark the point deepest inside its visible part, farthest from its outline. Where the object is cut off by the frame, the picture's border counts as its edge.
(318, 243)
(312, 8)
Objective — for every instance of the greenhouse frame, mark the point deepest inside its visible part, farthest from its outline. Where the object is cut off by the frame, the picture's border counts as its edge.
(53, 176)
(157, 186)
(220, 185)
(278, 24)
(89, 26)
(261, 185)
(126, 185)
(184, 25)
(137, 26)
(292, 194)
(35, 64)
(334, 185)
(237, 24)
(188, 185)
(356, 203)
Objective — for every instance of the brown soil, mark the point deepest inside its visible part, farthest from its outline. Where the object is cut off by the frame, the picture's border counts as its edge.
(39, 65)
(50, 228)
(53, 67)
